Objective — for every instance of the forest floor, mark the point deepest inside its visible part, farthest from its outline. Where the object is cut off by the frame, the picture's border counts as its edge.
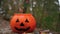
(5, 28)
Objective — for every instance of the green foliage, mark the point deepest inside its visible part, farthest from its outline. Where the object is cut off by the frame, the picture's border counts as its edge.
(51, 19)
(26, 4)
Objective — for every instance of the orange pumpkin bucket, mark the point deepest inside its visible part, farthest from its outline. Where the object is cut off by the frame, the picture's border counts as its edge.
(23, 23)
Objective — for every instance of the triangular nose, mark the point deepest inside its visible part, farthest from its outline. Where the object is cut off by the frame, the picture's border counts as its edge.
(21, 24)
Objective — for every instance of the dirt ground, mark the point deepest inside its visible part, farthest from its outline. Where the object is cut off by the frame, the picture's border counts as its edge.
(4, 26)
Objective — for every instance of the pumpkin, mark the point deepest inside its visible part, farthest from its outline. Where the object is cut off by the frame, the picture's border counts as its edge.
(22, 23)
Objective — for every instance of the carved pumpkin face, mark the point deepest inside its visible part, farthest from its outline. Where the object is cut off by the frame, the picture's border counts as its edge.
(23, 23)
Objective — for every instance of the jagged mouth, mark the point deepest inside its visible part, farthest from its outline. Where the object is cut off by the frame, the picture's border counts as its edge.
(22, 29)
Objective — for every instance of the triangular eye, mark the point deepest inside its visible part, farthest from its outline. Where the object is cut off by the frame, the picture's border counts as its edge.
(26, 20)
(17, 20)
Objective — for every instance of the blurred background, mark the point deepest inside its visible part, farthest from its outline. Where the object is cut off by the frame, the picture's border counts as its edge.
(46, 13)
